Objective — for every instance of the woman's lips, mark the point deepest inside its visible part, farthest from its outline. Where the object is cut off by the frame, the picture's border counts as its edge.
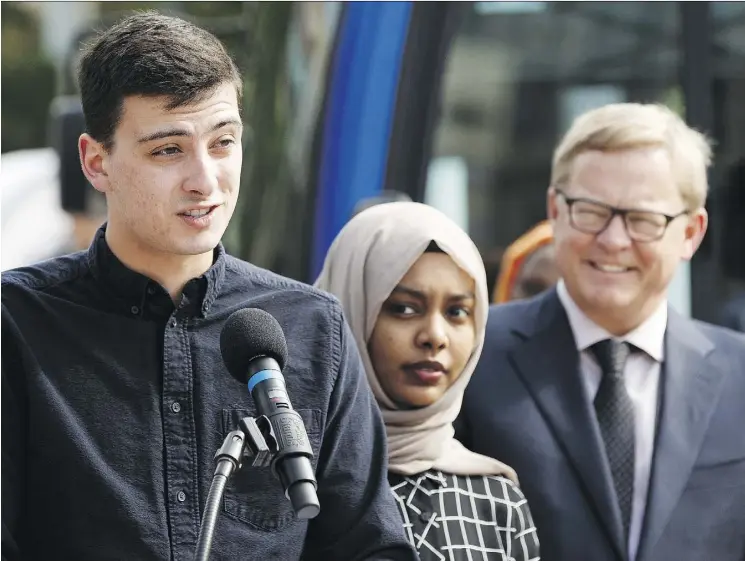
(426, 372)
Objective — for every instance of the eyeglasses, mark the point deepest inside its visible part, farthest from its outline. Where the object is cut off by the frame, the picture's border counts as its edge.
(593, 217)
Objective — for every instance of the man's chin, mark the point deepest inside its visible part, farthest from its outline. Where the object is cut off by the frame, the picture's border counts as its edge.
(610, 301)
(195, 250)
(200, 244)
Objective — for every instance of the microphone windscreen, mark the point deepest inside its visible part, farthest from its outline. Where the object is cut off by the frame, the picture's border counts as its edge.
(250, 333)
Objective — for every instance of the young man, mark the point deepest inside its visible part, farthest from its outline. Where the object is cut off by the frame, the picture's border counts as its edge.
(115, 397)
(622, 418)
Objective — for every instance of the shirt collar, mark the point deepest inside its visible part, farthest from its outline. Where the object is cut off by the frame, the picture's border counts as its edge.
(649, 336)
(136, 289)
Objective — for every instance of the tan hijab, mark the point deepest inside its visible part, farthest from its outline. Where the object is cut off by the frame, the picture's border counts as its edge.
(365, 263)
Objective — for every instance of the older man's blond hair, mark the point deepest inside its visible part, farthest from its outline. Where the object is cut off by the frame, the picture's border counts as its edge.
(626, 126)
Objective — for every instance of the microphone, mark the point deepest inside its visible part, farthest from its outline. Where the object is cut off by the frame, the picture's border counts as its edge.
(254, 350)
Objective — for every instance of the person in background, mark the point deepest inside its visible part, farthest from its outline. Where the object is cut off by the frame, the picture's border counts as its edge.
(78, 198)
(622, 417)
(528, 266)
(492, 258)
(50, 208)
(413, 288)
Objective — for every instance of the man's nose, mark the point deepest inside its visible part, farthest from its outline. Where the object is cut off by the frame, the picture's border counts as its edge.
(615, 235)
(202, 177)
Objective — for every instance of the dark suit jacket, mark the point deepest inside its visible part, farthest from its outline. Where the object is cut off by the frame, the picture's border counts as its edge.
(525, 406)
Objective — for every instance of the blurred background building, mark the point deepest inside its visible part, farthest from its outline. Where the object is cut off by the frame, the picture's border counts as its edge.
(456, 104)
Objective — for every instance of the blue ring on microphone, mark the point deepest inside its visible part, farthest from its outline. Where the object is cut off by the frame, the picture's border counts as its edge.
(262, 376)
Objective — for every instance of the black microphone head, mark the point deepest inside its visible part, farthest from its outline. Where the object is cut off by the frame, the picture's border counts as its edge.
(251, 333)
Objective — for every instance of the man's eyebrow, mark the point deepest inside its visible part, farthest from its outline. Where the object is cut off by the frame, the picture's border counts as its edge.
(175, 131)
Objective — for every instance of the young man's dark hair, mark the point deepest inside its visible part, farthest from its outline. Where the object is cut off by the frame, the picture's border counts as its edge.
(155, 55)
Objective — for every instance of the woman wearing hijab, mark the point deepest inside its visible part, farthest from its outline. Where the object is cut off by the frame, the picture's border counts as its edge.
(413, 288)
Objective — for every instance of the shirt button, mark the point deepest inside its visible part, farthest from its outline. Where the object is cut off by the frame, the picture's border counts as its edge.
(175, 407)
(426, 516)
(173, 322)
(135, 310)
(151, 290)
(181, 496)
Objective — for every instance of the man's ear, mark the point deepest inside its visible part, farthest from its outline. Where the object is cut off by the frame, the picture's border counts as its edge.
(551, 210)
(94, 160)
(695, 232)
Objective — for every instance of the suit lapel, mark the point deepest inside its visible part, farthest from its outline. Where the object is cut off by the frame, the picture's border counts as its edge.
(690, 388)
(548, 363)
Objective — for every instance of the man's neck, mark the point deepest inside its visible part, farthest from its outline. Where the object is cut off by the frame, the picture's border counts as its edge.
(618, 325)
(621, 322)
(171, 271)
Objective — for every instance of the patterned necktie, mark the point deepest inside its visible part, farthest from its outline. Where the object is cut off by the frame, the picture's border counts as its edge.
(615, 414)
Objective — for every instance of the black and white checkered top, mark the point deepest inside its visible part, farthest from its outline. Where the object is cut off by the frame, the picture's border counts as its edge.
(472, 518)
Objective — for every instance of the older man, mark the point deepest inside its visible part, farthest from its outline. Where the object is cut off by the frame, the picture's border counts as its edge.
(622, 418)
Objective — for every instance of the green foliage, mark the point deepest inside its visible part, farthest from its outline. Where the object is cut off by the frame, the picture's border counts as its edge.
(265, 114)
(198, 9)
(28, 80)
(27, 91)
(20, 32)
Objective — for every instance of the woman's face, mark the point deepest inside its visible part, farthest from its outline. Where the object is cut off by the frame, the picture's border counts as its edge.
(425, 332)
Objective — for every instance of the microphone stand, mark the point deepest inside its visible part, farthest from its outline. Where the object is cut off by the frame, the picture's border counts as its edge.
(255, 439)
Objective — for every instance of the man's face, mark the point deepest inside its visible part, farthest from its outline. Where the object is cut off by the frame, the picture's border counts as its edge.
(618, 282)
(172, 177)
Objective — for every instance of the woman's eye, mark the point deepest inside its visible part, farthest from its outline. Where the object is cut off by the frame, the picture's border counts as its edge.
(402, 309)
(460, 312)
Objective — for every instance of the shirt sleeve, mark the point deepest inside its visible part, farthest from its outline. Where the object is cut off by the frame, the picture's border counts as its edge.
(525, 546)
(13, 436)
(359, 518)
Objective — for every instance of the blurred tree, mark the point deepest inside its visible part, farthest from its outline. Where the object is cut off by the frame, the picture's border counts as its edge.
(265, 114)
(224, 19)
(28, 80)
(20, 31)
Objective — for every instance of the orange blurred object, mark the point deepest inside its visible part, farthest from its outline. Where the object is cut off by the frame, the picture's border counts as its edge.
(514, 257)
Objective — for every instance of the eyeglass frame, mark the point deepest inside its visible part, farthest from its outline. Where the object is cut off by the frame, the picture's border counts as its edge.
(615, 211)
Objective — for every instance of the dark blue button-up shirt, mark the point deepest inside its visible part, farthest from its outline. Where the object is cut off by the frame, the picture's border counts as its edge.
(115, 400)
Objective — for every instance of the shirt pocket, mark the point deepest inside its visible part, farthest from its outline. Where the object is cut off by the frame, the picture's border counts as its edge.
(254, 495)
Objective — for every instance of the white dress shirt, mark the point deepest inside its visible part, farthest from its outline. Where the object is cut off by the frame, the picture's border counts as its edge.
(642, 377)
